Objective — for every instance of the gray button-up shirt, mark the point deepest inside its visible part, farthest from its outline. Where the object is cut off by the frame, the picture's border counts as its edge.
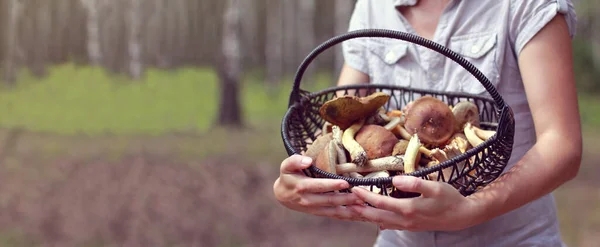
(490, 35)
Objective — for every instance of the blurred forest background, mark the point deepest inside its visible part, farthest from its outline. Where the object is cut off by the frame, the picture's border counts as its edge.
(156, 122)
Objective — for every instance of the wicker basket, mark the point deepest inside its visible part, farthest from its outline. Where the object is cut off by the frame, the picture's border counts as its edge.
(483, 163)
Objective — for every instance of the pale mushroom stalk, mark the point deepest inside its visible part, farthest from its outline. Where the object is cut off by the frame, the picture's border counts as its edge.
(390, 163)
(473, 139)
(357, 153)
(394, 121)
(402, 132)
(483, 134)
(410, 157)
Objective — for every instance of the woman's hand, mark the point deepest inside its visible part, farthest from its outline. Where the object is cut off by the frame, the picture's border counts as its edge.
(296, 191)
(439, 208)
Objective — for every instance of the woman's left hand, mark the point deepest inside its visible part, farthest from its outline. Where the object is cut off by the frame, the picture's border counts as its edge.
(439, 208)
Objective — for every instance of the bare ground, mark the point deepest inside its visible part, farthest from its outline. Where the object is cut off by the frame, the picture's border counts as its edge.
(140, 192)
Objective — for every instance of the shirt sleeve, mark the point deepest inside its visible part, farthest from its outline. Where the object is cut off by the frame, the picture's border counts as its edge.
(529, 17)
(354, 49)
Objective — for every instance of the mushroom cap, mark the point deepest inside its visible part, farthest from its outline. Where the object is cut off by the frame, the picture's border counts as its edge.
(345, 110)
(465, 112)
(431, 119)
(376, 140)
(322, 160)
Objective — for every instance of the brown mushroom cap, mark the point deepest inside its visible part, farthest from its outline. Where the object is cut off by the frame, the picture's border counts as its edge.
(377, 141)
(431, 119)
(345, 110)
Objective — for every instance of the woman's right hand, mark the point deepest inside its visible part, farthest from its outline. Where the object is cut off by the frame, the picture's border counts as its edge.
(315, 196)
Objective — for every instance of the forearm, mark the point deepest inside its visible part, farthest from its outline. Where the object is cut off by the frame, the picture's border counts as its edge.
(551, 162)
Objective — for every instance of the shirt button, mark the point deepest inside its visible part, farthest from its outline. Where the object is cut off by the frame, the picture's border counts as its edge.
(475, 49)
(390, 57)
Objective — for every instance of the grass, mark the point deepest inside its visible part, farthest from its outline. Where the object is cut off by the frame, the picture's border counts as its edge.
(85, 100)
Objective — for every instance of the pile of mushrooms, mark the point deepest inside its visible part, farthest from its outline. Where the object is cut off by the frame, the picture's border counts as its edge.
(361, 139)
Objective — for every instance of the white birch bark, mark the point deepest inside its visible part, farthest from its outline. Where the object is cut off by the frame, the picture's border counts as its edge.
(134, 43)
(93, 31)
(274, 42)
(11, 42)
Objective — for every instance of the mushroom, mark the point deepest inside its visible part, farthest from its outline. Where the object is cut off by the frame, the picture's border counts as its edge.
(344, 111)
(483, 134)
(401, 132)
(318, 145)
(400, 147)
(326, 128)
(465, 112)
(473, 139)
(394, 121)
(431, 119)
(394, 113)
(326, 160)
(357, 152)
(460, 140)
(411, 155)
(376, 141)
(389, 163)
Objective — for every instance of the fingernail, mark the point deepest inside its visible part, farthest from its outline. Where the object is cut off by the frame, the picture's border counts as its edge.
(343, 185)
(359, 202)
(306, 161)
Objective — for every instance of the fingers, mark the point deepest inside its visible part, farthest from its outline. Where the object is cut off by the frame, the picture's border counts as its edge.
(339, 212)
(414, 184)
(294, 164)
(320, 185)
(381, 201)
(381, 217)
(329, 200)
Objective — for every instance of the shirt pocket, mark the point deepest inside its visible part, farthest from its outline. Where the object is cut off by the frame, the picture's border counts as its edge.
(481, 50)
(389, 62)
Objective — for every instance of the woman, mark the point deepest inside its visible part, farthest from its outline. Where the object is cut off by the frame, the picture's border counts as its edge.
(524, 48)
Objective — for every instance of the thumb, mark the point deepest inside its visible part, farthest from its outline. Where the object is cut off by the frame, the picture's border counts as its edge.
(295, 163)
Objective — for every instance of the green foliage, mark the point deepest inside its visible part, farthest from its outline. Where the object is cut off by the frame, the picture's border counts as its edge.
(86, 100)
(586, 73)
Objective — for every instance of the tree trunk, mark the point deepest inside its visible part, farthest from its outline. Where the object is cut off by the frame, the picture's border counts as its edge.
(93, 31)
(134, 40)
(11, 43)
(306, 36)
(230, 112)
(273, 43)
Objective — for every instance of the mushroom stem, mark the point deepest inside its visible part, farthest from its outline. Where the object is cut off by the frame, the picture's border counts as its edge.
(326, 128)
(357, 153)
(473, 139)
(389, 163)
(378, 174)
(333, 155)
(402, 132)
(483, 134)
(355, 175)
(337, 133)
(410, 157)
(394, 121)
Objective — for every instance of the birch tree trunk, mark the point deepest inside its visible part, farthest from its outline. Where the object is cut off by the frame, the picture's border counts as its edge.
(274, 42)
(343, 11)
(306, 35)
(93, 31)
(134, 40)
(11, 42)
(230, 69)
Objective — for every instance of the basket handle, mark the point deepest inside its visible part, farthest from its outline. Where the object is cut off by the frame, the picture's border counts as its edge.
(385, 33)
